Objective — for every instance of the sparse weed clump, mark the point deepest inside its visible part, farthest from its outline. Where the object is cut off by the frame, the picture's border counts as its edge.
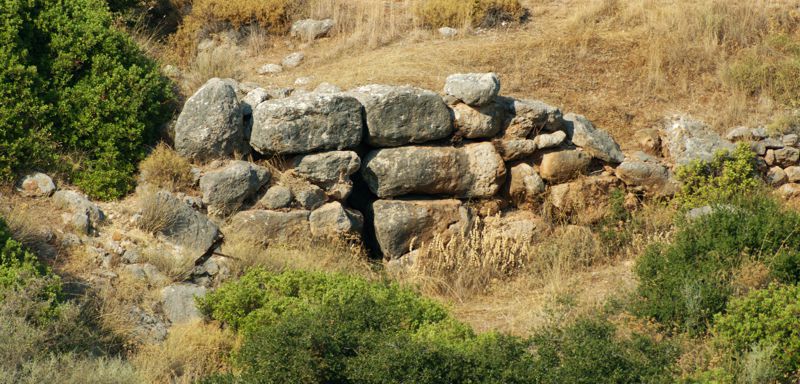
(165, 169)
(475, 13)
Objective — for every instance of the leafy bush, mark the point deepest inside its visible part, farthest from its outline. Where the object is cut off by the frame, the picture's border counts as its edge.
(66, 64)
(686, 282)
(478, 13)
(764, 322)
(588, 352)
(725, 177)
(305, 327)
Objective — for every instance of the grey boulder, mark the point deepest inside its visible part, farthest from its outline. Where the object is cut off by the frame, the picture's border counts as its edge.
(85, 215)
(225, 190)
(307, 123)
(293, 59)
(530, 117)
(211, 123)
(399, 115)
(475, 89)
(596, 142)
(685, 140)
(524, 183)
(475, 170)
(310, 29)
(36, 184)
(477, 122)
(185, 227)
(650, 176)
(277, 197)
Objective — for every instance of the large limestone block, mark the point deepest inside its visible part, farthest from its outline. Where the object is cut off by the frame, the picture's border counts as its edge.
(475, 170)
(478, 122)
(596, 142)
(399, 115)
(266, 226)
(475, 89)
(649, 175)
(401, 224)
(211, 123)
(524, 182)
(564, 165)
(225, 190)
(307, 123)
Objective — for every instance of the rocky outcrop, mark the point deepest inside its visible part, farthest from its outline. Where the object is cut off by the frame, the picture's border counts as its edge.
(399, 115)
(406, 223)
(226, 189)
(685, 139)
(473, 171)
(211, 123)
(307, 123)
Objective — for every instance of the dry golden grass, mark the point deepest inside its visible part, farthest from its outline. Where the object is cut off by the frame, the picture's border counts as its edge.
(190, 352)
(342, 255)
(115, 303)
(176, 266)
(165, 169)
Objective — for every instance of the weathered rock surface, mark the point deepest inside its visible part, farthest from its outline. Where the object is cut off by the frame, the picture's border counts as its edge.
(549, 140)
(327, 168)
(36, 184)
(78, 203)
(685, 140)
(515, 149)
(530, 116)
(399, 115)
(186, 227)
(309, 196)
(225, 190)
(651, 176)
(478, 122)
(334, 219)
(776, 177)
(786, 157)
(266, 226)
(519, 226)
(793, 174)
(789, 191)
(475, 89)
(596, 142)
(307, 123)
(310, 29)
(252, 100)
(524, 182)
(178, 302)
(475, 170)
(327, 88)
(399, 224)
(211, 124)
(447, 32)
(564, 165)
(277, 197)
(648, 140)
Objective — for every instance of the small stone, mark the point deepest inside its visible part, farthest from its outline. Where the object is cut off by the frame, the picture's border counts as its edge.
(310, 29)
(269, 69)
(327, 88)
(448, 32)
(277, 197)
(293, 60)
(549, 140)
(310, 197)
(303, 81)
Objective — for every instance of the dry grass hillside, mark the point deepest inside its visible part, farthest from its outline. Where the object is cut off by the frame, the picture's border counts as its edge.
(623, 63)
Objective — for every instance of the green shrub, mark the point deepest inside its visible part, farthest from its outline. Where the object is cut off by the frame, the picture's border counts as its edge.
(725, 177)
(765, 322)
(686, 282)
(105, 98)
(588, 352)
(303, 327)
